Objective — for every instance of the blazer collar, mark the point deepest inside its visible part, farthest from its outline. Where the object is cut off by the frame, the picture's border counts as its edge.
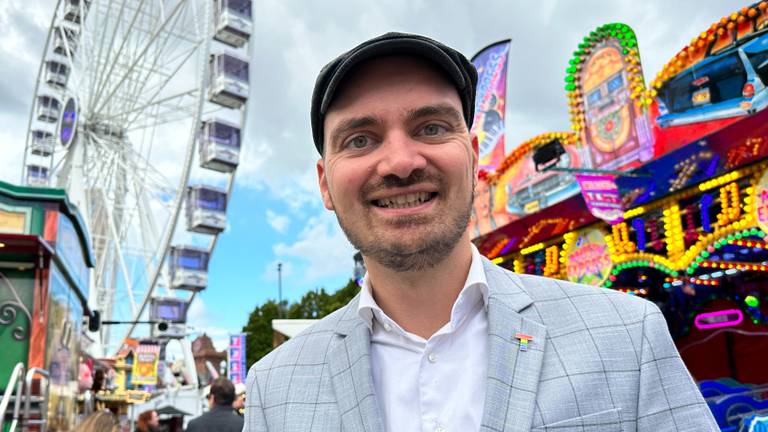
(513, 373)
(506, 286)
(349, 363)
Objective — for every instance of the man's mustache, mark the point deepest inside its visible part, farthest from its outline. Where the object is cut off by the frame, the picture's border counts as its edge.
(393, 181)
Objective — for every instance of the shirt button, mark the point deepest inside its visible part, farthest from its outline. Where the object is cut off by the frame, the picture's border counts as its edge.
(432, 357)
(440, 429)
(387, 327)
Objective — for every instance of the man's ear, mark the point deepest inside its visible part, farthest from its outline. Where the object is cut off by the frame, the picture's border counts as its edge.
(322, 181)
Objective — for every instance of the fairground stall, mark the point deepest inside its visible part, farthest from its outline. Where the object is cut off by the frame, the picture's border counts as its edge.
(659, 191)
(45, 256)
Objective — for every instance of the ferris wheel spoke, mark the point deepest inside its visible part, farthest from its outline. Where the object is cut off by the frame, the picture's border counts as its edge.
(168, 59)
(101, 77)
(149, 231)
(116, 239)
(101, 174)
(149, 177)
(119, 83)
(154, 98)
(135, 112)
(169, 116)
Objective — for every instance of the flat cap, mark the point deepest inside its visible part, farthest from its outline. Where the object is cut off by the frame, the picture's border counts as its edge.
(460, 70)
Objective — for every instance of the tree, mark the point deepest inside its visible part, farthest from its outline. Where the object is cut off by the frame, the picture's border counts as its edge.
(258, 339)
(313, 305)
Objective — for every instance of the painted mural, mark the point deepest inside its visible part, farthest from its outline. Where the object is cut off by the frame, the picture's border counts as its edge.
(516, 189)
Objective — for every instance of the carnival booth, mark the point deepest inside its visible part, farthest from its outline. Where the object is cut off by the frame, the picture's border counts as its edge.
(45, 256)
(659, 192)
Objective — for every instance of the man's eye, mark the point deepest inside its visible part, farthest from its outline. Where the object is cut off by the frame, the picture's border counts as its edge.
(433, 129)
(358, 142)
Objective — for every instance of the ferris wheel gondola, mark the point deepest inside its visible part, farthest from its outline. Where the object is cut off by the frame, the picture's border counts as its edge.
(117, 82)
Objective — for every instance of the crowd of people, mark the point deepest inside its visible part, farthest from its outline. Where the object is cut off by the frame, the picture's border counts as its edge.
(226, 402)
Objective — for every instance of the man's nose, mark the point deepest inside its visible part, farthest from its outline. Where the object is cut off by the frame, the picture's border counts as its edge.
(401, 156)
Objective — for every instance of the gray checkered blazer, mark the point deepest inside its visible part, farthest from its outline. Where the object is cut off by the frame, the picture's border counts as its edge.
(600, 360)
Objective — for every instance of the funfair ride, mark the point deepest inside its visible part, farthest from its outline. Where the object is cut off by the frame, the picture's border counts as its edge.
(138, 113)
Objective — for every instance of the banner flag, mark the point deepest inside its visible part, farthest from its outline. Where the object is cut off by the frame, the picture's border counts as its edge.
(236, 369)
(490, 103)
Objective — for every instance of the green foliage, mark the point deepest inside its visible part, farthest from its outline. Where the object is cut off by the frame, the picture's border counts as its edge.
(313, 305)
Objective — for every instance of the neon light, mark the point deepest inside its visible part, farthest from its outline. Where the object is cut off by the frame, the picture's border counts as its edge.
(723, 318)
(639, 226)
(706, 201)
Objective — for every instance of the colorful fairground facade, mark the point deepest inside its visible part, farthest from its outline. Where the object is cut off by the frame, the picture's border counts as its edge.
(49, 379)
(659, 191)
(45, 261)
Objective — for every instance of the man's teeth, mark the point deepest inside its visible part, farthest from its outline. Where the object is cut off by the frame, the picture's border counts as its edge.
(404, 201)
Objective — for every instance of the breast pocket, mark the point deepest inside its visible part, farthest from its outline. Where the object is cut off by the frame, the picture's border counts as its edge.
(603, 421)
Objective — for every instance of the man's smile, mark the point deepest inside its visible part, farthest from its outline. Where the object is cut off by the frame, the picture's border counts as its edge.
(407, 200)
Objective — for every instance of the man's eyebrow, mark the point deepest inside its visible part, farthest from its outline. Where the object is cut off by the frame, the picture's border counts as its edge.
(436, 110)
(351, 124)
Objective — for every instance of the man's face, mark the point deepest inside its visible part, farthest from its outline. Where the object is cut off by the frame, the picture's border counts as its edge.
(398, 168)
(239, 402)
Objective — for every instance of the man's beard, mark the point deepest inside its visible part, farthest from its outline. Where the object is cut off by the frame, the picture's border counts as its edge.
(442, 237)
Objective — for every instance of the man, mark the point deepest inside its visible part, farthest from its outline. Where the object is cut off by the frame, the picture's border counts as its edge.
(439, 338)
(221, 417)
(239, 403)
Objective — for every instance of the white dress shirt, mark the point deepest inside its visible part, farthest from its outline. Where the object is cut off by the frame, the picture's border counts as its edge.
(436, 384)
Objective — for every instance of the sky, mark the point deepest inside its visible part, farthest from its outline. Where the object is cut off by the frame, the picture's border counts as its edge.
(275, 213)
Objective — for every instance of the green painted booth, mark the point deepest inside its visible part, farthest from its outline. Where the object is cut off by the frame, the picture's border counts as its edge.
(45, 262)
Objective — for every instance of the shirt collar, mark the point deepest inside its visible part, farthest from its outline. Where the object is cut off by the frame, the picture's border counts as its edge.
(475, 289)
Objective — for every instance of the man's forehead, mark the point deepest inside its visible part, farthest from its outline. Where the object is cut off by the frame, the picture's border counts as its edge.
(381, 73)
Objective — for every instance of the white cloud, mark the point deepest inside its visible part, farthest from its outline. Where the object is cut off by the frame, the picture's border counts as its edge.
(277, 221)
(321, 249)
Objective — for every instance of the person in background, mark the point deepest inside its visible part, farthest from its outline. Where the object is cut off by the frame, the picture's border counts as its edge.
(148, 421)
(100, 421)
(239, 404)
(222, 416)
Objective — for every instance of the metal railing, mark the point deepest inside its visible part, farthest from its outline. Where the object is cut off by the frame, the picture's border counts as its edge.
(43, 420)
(21, 386)
(14, 381)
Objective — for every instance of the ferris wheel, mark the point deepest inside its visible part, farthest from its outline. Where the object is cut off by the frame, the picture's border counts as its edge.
(138, 112)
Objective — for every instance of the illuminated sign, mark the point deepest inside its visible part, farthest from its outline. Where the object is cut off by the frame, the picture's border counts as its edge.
(14, 220)
(602, 196)
(723, 318)
(145, 364)
(588, 259)
(760, 201)
(68, 122)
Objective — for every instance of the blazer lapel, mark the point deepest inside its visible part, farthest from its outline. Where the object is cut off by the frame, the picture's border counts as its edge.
(513, 374)
(350, 366)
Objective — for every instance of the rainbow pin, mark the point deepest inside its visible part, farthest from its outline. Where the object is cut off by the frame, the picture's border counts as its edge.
(524, 339)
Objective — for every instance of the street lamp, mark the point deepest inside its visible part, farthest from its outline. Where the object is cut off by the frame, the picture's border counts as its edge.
(280, 289)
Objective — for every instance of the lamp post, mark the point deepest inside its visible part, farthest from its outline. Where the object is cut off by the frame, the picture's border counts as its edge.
(280, 289)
